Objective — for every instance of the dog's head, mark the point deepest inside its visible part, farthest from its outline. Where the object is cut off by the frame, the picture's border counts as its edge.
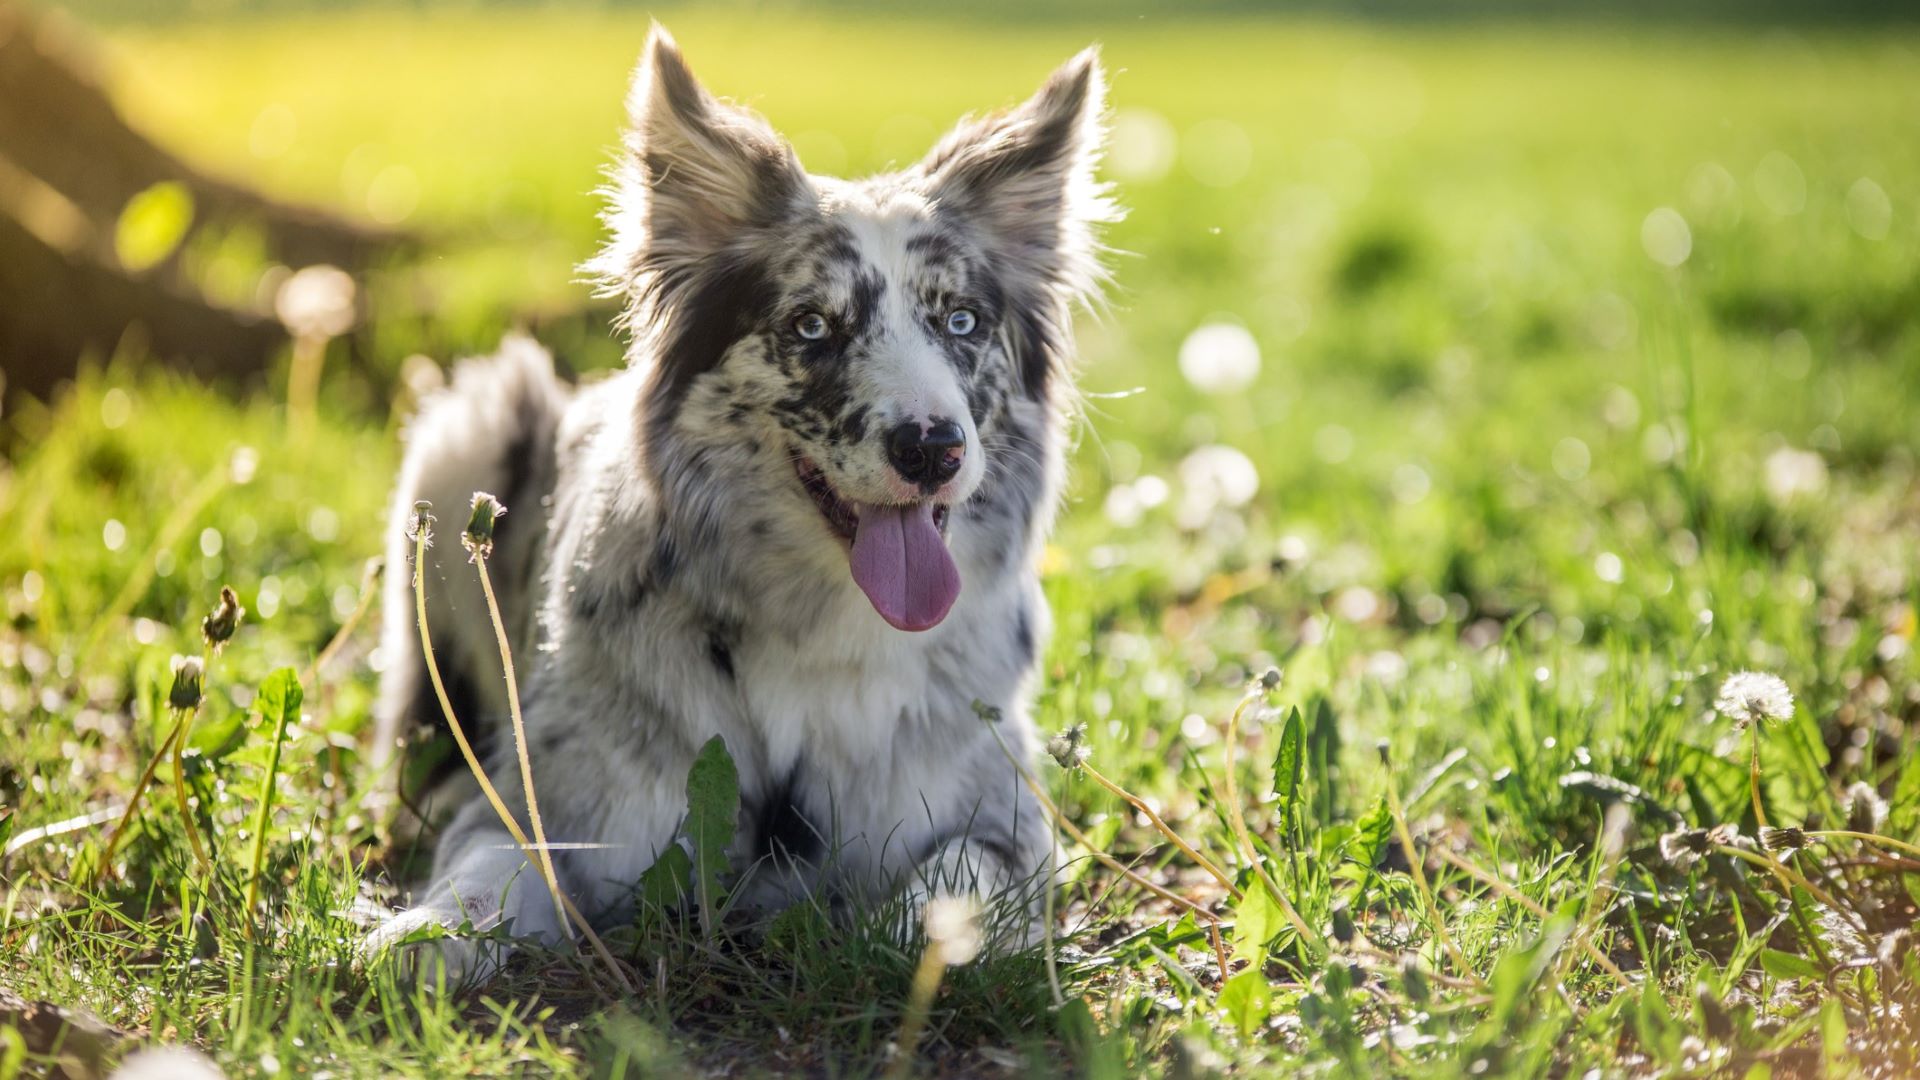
(849, 351)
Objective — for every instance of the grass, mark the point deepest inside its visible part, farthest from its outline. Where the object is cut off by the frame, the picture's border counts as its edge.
(1524, 498)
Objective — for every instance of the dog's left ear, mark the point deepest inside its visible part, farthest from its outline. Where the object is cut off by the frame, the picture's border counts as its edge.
(1023, 181)
(695, 173)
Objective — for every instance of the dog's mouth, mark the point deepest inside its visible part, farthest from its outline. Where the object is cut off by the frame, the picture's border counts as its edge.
(897, 553)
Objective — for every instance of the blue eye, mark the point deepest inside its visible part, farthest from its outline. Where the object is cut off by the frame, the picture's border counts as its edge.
(812, 326)
(961, 322)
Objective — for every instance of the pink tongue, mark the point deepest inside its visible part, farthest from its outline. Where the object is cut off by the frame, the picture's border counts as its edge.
(902, 564)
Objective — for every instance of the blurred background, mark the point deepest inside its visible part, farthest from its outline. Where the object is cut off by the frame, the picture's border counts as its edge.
(1507, 372)
(1442, 303)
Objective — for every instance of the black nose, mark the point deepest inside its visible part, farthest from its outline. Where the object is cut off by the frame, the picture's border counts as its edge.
(930, 457)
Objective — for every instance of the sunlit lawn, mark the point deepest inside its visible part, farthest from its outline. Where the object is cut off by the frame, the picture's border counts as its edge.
(1587, 369)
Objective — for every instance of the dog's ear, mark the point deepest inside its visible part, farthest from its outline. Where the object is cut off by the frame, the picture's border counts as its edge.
(694, 173)
(1025, 178)
(1023, 182)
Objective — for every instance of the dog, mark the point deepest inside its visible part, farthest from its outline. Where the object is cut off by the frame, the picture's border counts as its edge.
(806, 517)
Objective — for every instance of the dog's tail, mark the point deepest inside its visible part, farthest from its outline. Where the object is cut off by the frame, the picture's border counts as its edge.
(492, 429)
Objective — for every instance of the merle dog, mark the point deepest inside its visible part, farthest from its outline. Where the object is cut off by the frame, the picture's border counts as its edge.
(806, 517)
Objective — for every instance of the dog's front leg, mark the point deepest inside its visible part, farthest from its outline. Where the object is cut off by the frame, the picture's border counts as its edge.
(483, 879)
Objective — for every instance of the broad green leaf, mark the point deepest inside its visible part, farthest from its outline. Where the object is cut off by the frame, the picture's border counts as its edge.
(280, 698)
(1246, 1000)
(1257, 919)
(1833, 1038)
(1290, 773)
(713, 810)
(669, 881)
(1785, 965)
(1371, 834)
(1323, 756)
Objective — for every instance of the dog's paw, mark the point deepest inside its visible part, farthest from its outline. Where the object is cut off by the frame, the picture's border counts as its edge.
(427, 947)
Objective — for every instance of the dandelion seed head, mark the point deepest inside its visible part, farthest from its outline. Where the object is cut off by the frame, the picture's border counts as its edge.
(1866, 810)
(1070, 748)
(953, 927)
(1754, 697)
(1683, 847)
(188, 674)
(1220, 358)
(1792, 474)
(218, 627)
(316, 302)
(1786, 839)
(486, 513)
(1726, 836)
(420, 525)
(1895, 946)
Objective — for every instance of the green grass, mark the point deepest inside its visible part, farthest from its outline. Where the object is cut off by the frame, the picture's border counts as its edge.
(1514, 523)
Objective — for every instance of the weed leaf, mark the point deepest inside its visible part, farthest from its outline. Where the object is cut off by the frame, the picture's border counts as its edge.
(1371, 834)
(1247, 999)
(1257, 920)
(1785, 965)
(280, 698)
(667, 883)
(713, 808)
(1290, 773)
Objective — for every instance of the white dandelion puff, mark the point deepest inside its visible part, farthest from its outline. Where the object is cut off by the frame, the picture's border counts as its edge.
(1220, 358)
(1866, 810)
(953, 927)
(1754, 697)
(1070, 748)
(316, 302)
(1683, 847)
(1213, 477)
(1793, 474)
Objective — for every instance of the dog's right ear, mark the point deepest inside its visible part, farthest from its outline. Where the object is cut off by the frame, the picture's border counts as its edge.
(694, 173)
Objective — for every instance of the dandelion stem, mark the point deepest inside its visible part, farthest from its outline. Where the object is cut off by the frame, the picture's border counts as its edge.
(520, 741)
(1870, 838)
(133, 803)
(183, 720)
(1786, 873)
(1239, 822)
(1164, 829)
(1753, 779)
(473, 762)
(303, 383)
(926, 983)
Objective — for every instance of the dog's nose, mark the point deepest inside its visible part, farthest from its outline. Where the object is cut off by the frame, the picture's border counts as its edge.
(928, 457)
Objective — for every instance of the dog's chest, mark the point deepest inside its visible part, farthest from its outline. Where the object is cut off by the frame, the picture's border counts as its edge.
(847, 700)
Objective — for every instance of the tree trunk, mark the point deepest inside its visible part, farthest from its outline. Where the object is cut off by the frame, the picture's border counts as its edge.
(56, 309)
(58, 125)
